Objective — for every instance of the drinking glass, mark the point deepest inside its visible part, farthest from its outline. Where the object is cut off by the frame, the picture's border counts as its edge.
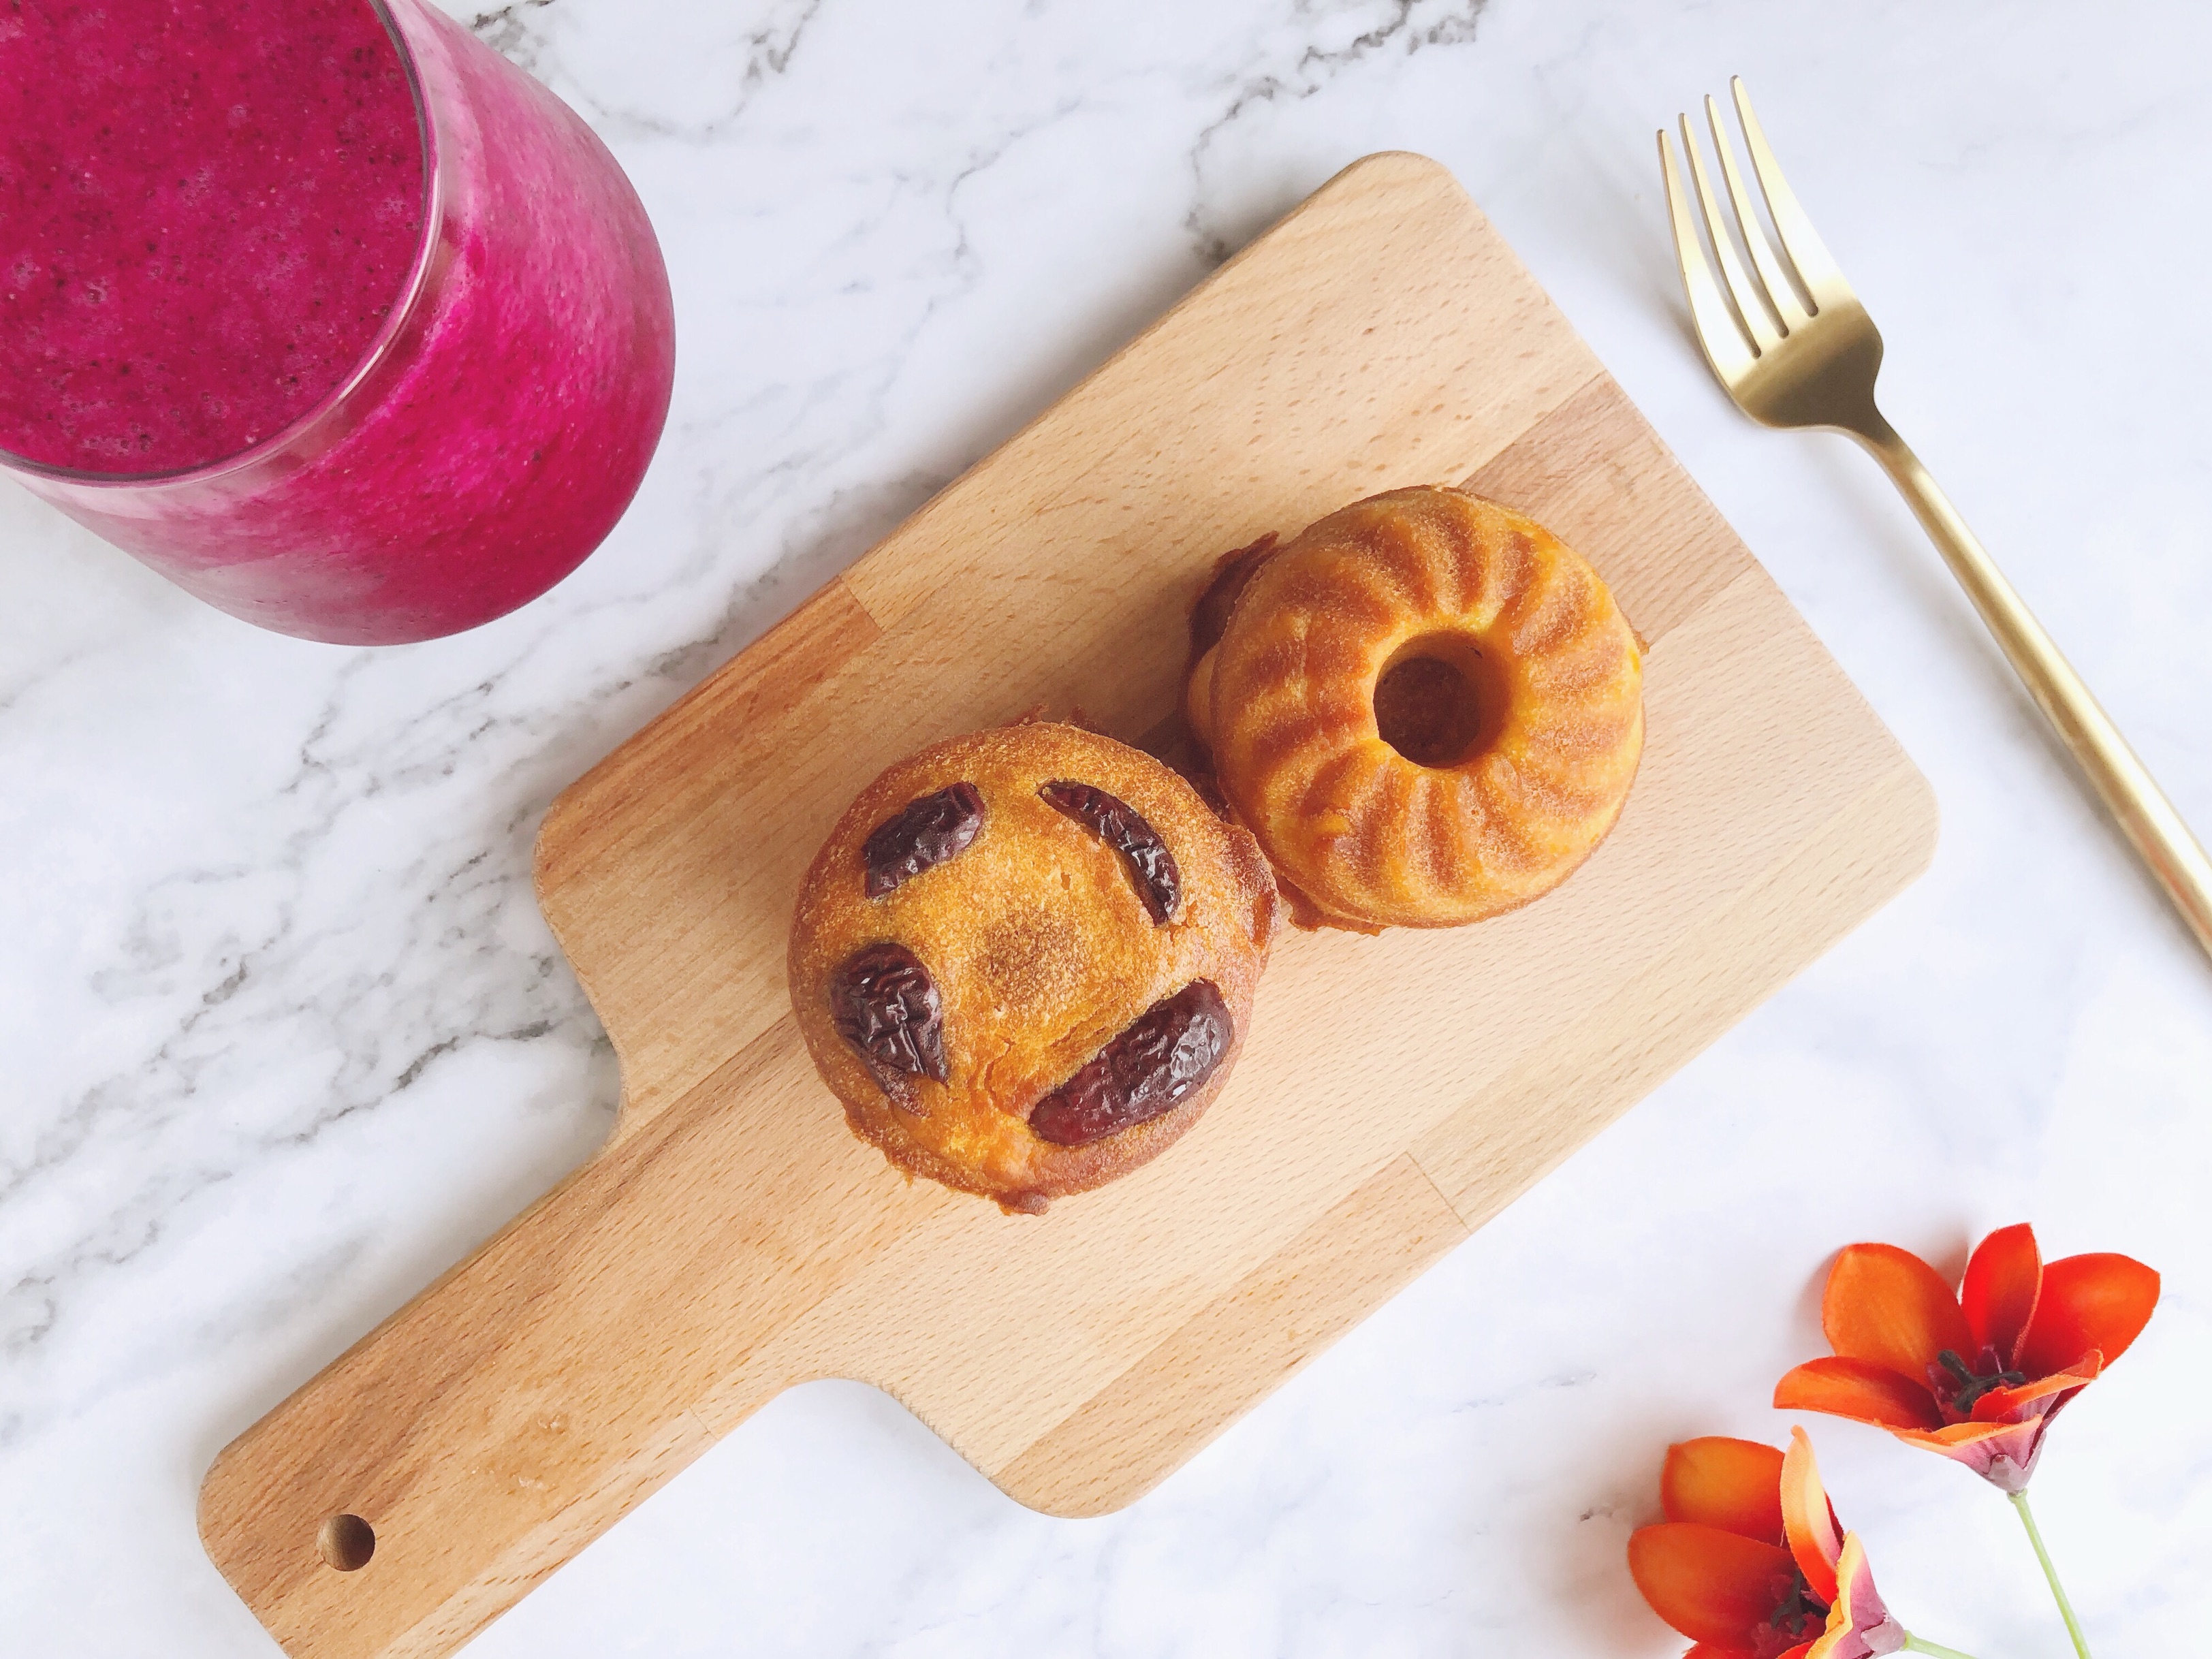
(497, 425)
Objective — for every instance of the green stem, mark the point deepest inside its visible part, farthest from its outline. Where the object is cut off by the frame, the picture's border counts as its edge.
(1914, 1644)
(2050, 1573)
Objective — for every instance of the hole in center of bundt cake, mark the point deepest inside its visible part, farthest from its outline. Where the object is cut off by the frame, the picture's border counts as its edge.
(1438, 701)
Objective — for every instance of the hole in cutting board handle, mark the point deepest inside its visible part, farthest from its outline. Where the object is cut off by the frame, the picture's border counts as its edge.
(346, 1541)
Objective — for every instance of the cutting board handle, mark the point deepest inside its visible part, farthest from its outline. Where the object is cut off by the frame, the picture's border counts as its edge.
(525, 1402)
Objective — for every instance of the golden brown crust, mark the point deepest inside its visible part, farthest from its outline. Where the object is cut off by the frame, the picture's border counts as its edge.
(1363, 836)
(1039, 942)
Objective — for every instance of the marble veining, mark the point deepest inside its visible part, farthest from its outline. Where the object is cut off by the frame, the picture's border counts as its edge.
(287, 1035)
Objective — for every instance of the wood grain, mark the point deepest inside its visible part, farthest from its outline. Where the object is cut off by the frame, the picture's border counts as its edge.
(732, 1239)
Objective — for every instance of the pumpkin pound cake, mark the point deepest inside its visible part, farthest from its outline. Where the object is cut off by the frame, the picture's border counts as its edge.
(1426, 706)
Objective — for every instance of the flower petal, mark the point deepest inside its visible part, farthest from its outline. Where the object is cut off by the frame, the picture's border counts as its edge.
(1734, 1485)
(2099, 1302)
(1859, 1625)
(1863, 1391)
(2002, 1454)
(1707, 1650)
(1887, 1306)
(1807, 1518)
(2002, 1405)
(1998, 1298)
(1712, 1586)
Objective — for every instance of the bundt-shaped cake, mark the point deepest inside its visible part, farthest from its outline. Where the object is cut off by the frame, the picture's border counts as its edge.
(1024, 960)
(1426, 706)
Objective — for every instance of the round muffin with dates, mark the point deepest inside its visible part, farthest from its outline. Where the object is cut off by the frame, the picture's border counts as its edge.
(1024, 960)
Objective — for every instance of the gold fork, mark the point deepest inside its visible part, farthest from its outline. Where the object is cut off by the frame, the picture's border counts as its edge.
(1804, 352)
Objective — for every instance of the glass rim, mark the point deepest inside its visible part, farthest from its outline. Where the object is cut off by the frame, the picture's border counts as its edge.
(373, 354)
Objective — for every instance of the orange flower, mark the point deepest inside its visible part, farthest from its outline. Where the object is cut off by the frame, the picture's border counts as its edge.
(1978, 1376)
(1751, 1563)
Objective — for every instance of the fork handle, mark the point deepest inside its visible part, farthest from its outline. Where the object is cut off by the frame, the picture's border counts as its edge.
(2158, 833)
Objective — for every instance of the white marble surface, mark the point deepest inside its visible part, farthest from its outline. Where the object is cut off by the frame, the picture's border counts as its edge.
(284, 1033)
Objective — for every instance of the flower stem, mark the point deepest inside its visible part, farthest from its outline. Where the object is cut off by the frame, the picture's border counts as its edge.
(1914, 1644)
(2050, 1573)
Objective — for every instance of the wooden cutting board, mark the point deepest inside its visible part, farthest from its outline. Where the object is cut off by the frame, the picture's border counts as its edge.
(733, 1238)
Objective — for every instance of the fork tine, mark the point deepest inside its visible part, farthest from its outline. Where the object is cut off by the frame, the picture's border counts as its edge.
(1818, 273)
(1727, 347)
(1750, 309)
(1773, 284)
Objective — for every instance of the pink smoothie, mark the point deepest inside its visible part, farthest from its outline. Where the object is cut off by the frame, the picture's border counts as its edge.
(396, 433)
(207, 211)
